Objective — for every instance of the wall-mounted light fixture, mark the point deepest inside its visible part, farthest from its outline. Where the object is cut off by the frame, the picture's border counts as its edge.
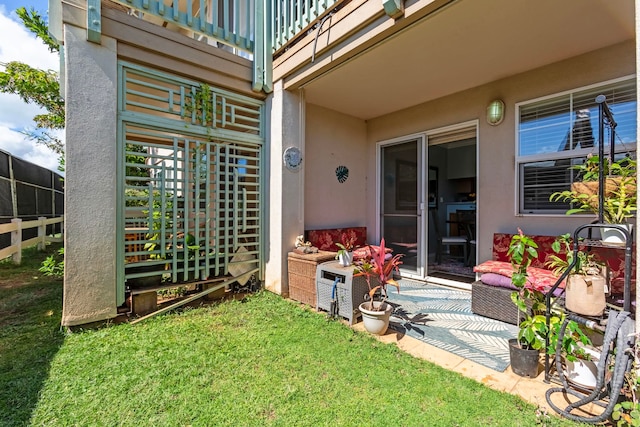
(393, 8)
(495, 112)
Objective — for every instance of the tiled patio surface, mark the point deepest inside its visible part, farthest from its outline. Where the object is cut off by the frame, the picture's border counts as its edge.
(530, 389)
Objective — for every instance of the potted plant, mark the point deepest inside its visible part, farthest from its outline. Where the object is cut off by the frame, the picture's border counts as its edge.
(378, 272)
(524, 351)
(152, 268)
(586, 284)
(345, 252)
(188, 242)
(576, 350)
(620, 201)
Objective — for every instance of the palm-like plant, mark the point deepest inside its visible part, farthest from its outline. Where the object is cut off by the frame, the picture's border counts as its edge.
(586, 262)
(620, 201)
(378, 272)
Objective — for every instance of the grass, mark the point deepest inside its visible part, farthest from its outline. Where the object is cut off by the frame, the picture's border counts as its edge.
(261, 361)
(30, 312)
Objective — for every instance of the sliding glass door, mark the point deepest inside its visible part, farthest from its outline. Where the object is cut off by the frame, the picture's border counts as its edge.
(401, 205)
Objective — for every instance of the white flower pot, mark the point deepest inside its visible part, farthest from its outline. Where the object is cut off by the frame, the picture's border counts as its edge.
(615, 236)
(345, 258)
(583, 373)
(376, 322)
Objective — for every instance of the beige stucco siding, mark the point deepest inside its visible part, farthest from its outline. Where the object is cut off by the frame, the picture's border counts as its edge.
(331, 140)
(91, 95)
(496, 160)
(90, 197)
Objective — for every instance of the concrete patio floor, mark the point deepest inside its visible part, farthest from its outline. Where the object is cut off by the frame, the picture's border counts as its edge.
(530, 389)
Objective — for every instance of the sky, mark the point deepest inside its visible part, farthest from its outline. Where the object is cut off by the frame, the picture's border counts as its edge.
(19, 44)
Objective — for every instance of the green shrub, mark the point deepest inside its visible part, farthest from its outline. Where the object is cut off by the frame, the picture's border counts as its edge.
(53, 265)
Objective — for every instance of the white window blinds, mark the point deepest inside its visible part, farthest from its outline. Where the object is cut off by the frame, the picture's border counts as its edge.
(561, 131)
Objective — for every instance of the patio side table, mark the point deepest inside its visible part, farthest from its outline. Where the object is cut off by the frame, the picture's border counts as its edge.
(350, 291)
(302, 275)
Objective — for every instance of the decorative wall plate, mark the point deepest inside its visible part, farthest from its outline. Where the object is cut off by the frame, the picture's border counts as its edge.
(342, 173)
(292, 158)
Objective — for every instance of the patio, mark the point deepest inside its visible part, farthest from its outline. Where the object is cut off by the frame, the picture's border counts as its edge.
(530, 389)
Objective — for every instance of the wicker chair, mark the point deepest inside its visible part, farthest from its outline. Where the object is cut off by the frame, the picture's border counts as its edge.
(494, 302)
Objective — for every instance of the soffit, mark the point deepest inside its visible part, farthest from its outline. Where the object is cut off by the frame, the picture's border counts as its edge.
(468, 44)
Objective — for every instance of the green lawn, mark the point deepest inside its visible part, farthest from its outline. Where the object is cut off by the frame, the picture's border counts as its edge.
(262, 361)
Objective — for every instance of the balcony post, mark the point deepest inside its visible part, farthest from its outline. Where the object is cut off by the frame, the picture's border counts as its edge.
(94, 21)
(393, 8)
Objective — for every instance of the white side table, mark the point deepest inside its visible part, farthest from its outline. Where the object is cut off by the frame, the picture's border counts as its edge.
(350, 291)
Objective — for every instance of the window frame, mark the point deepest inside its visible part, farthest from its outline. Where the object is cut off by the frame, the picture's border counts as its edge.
(521, 160)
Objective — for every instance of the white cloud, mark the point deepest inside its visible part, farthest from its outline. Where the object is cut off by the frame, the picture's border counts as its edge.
(15, 113)
(18, 44)
(20, 146)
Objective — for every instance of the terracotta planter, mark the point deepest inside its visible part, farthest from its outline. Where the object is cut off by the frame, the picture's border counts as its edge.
(585, 294)
(376, 322)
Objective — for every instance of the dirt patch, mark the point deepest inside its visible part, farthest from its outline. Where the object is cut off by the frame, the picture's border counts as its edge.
(19, 280)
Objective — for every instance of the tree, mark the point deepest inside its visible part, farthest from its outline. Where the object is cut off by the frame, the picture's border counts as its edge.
(41, 87)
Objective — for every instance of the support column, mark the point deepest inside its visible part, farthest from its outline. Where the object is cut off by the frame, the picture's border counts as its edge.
(636, 237)
(285, 193)
(90, 181)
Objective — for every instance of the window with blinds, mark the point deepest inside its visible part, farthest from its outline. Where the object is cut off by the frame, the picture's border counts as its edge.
(560, 131)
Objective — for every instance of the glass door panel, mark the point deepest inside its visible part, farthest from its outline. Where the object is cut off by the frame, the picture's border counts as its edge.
(400, 205)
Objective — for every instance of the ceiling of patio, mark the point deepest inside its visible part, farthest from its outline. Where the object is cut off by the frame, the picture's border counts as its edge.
(468, 44)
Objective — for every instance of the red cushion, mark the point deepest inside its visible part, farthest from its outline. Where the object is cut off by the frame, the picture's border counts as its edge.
(501, 242)
(326, 239)
(613, 257)
(537, 278)
(365, 252)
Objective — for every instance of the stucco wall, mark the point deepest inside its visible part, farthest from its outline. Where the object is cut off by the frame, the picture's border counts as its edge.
(91, 291)
(331, 140)
(496, 159)
(90, 197)
(284, 193)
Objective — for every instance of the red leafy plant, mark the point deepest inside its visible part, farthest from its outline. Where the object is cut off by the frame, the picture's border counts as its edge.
(378, 272)
(347, 241)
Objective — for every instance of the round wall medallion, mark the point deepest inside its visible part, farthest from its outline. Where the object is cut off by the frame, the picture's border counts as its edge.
(292, 158)
(342, 173)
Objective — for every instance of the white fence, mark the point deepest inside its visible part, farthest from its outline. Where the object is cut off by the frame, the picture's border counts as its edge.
(16, 227)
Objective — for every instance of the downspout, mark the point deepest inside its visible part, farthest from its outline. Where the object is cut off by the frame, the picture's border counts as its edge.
(303, 146)
(318, 29)
(637, 22)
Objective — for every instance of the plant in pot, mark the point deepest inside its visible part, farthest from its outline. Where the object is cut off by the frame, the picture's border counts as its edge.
(578, 358)
(378, 272)
(620, 198)
(346, 246)
(586, 284)
(186, 248)
(524, 351)
(150, 272)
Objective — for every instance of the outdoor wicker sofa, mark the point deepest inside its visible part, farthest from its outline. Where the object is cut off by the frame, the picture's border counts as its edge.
(491, 294)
